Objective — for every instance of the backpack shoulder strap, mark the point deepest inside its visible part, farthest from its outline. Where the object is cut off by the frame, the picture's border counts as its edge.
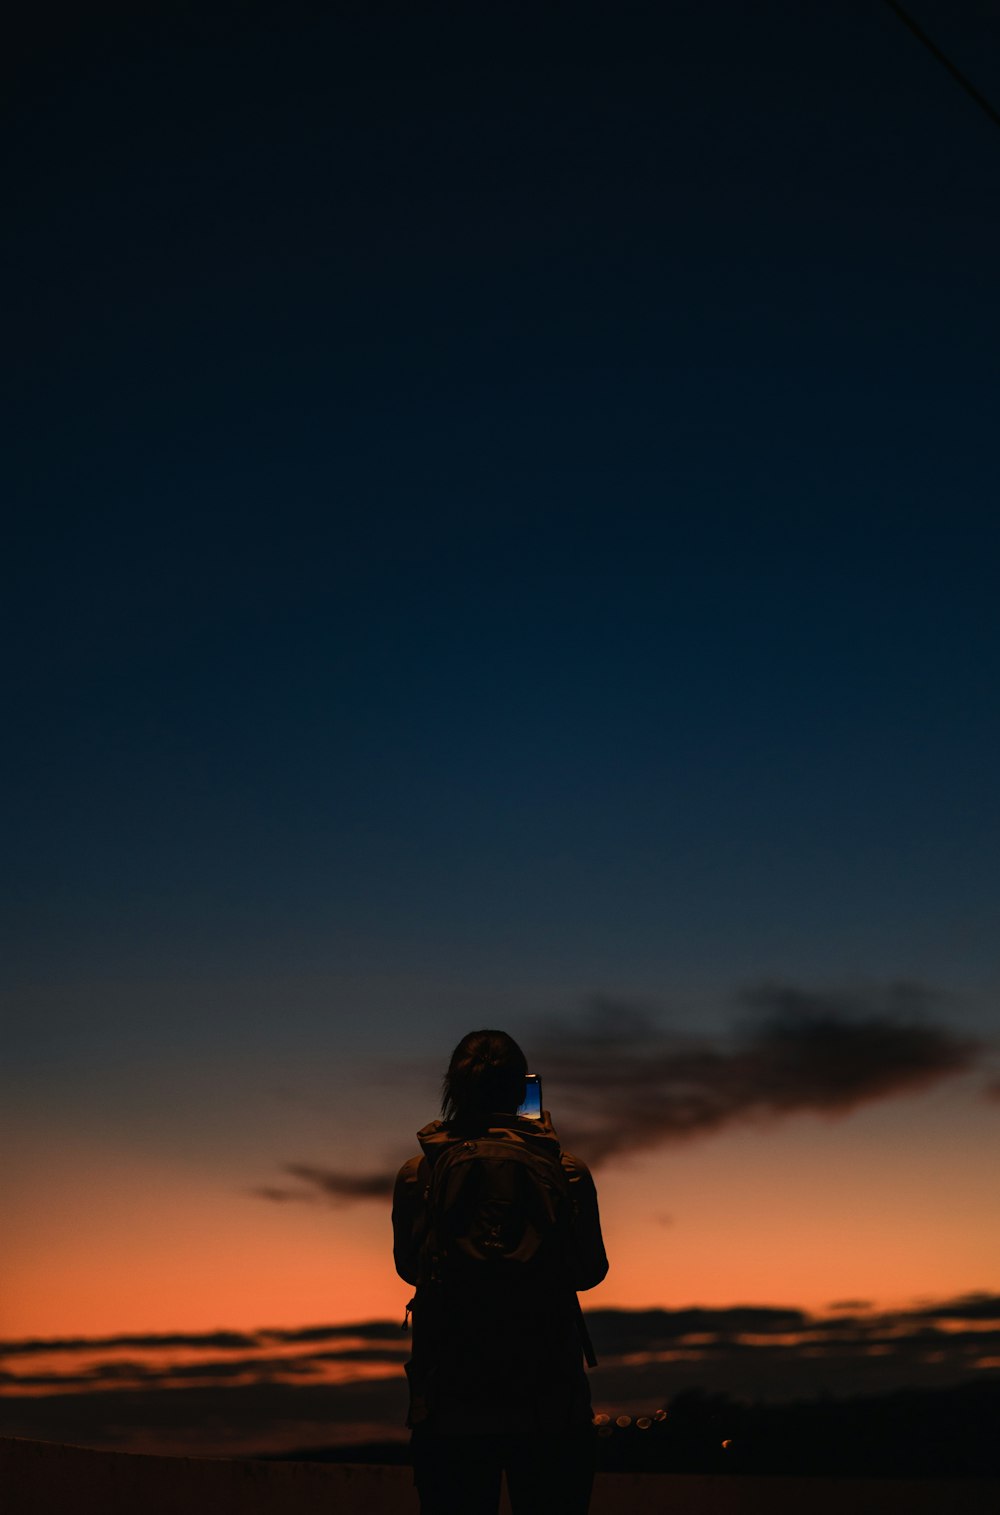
(546, 1168)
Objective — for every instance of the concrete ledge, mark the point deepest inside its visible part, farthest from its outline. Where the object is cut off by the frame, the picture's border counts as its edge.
(46, 1478)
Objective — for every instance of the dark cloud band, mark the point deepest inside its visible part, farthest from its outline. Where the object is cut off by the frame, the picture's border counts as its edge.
(332, 1184)
(623, 1083)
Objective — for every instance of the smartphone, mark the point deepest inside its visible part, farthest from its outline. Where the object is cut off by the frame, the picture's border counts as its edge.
(532, 1106)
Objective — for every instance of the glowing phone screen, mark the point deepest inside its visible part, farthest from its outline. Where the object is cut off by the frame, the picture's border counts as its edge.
(532, 1106)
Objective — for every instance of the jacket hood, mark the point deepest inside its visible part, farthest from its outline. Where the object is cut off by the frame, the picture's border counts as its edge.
(540, 1135)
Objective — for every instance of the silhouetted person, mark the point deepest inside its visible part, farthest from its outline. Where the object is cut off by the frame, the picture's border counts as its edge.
(498, 1229)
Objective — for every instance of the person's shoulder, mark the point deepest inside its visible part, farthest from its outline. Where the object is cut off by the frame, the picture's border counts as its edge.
(575, 1168)
(409, 1173)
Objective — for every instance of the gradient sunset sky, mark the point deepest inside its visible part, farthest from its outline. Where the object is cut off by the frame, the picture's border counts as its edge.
(506, 533)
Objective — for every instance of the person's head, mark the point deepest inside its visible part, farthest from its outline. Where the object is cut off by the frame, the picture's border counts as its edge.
(486, 1074)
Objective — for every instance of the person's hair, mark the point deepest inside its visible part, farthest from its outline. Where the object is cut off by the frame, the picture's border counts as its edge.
(486, 1073)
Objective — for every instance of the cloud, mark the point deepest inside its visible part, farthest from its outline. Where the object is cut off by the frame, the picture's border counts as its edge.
(331, 1184)
(261, 1399)
(375, 1336)
(627, 1084)
(229, 1340)
(980, 1306)
(370, 1330)
(284, 1196)
(624, 1083)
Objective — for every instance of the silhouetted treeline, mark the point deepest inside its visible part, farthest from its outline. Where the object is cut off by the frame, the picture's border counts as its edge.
(912, 1433)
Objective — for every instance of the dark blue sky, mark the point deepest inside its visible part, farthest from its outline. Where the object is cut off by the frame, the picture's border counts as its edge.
(509, 486)
(503, 520)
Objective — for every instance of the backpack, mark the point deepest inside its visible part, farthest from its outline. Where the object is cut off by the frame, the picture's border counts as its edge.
(494, 1281)
(497, 1215)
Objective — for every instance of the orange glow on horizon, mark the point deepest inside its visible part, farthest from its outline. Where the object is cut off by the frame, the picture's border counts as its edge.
(877, 1208)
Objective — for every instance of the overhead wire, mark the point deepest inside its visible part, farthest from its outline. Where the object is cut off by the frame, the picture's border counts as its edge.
(945, 61)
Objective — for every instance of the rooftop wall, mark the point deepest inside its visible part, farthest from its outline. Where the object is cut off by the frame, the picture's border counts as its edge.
(45, 1478)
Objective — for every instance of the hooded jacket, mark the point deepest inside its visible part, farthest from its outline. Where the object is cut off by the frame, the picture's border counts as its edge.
(470, 1372)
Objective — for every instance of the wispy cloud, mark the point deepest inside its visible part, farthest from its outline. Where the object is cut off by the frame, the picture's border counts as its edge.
(228, 1341)
(223, 1340)
(627, 1083)
(330, 1184)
